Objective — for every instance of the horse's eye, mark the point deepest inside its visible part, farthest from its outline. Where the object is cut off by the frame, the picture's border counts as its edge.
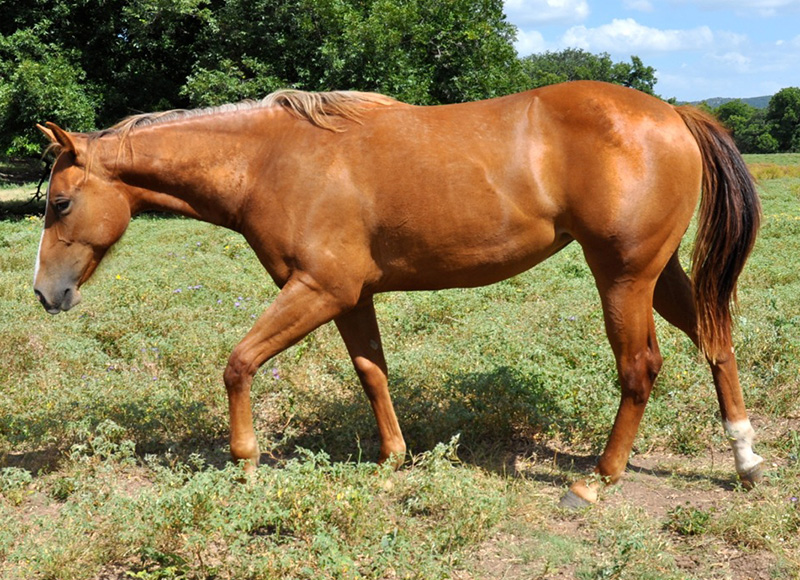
(62, 206)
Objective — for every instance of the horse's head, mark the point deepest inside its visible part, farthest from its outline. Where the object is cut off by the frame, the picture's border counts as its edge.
(86, 212)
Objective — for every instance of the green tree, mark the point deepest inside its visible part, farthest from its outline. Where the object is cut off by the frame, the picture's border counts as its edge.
(748, 125)
(573, 64)
(422, 51)
(783, 112)
(38, 81)
(91, 62)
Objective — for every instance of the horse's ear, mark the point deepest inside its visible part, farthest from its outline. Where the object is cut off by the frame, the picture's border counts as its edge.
(47, 133)
(58, 136)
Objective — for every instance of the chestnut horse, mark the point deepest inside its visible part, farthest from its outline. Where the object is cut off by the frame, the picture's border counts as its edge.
(343, 195)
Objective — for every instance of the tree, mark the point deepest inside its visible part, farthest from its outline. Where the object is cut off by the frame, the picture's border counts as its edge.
(783, 112)
(421, 51)
(38, 81)
(89, 63)
(574, 64)
(129, 55)
(748, 125)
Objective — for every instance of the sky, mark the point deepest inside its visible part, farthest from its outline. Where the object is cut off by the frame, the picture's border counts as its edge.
(700, 50)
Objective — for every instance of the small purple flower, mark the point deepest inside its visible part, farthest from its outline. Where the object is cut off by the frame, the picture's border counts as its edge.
(177, 291)
(277, 377)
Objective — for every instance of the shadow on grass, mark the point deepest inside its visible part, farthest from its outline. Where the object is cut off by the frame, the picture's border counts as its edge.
(27, 174)
(727, 483)
(15, 210)
(501, 416)
(506, 422)
(46, 439)
(495, 413)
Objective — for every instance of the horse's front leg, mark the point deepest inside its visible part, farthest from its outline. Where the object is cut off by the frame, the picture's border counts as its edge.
(359, 330)
(300, 307)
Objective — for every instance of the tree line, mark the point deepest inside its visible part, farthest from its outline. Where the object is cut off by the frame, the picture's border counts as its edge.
(86, 64)
(771, 130)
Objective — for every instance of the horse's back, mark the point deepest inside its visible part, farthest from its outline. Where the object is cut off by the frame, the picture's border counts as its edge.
(468, 194)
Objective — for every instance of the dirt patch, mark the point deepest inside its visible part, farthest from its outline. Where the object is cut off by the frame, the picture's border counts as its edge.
(558, 544)
(658, 483)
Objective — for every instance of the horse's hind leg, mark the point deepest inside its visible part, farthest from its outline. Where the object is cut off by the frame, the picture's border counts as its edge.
(673, 300)
(359, 330)
(628, 311)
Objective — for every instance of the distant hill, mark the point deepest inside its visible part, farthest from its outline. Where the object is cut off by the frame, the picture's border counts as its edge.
(757, 102)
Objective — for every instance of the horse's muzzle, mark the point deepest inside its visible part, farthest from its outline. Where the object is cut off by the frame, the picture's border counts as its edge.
(62, 302)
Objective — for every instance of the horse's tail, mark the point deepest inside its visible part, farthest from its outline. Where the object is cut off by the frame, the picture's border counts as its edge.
(730, 214)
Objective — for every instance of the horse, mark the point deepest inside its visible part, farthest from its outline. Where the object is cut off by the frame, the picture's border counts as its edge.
(343, 195)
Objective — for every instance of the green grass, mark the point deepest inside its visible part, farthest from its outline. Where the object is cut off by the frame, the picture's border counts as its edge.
(113, 424)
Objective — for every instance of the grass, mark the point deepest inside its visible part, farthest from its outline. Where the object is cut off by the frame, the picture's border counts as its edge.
(113, 425)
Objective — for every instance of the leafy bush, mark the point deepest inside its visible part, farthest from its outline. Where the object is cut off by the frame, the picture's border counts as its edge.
(39, 82)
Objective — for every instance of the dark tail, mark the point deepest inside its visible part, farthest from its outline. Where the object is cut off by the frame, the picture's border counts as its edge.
(730, 214)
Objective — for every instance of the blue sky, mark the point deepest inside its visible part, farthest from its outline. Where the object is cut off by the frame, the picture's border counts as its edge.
(702, 49)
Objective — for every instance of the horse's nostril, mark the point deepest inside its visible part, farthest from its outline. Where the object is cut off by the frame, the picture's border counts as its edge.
(44, 302)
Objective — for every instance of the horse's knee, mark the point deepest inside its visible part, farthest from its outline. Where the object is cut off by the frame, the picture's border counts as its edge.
(238, 371)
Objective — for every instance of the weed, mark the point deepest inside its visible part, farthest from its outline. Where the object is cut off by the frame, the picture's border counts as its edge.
(14, 484)
(688, 520)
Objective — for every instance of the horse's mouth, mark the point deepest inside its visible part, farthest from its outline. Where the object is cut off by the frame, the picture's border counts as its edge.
(69, 297)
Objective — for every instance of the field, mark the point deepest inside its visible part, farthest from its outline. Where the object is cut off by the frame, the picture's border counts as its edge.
(113, 425)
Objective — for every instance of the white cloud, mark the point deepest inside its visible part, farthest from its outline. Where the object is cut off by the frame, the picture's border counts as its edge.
(639, 5)
(730, 39)
(734, 61)
(527, 12)
(530, 42)
(627, 34)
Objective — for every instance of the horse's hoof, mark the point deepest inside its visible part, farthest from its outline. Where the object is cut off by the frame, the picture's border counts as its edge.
(572, 501)
(394, 460)
(752, 477)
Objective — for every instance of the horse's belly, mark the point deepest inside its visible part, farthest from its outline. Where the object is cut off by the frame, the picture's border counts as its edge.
(471, 260)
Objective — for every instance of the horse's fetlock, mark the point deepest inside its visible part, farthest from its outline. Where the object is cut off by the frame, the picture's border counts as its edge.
(246, 451)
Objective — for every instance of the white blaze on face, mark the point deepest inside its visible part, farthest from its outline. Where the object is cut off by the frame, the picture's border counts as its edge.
(741, 436)
(41, 239)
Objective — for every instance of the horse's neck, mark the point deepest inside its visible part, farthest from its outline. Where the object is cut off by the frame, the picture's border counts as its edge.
(178, 172)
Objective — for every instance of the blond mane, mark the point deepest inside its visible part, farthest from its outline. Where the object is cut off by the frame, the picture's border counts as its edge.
(320, 109)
